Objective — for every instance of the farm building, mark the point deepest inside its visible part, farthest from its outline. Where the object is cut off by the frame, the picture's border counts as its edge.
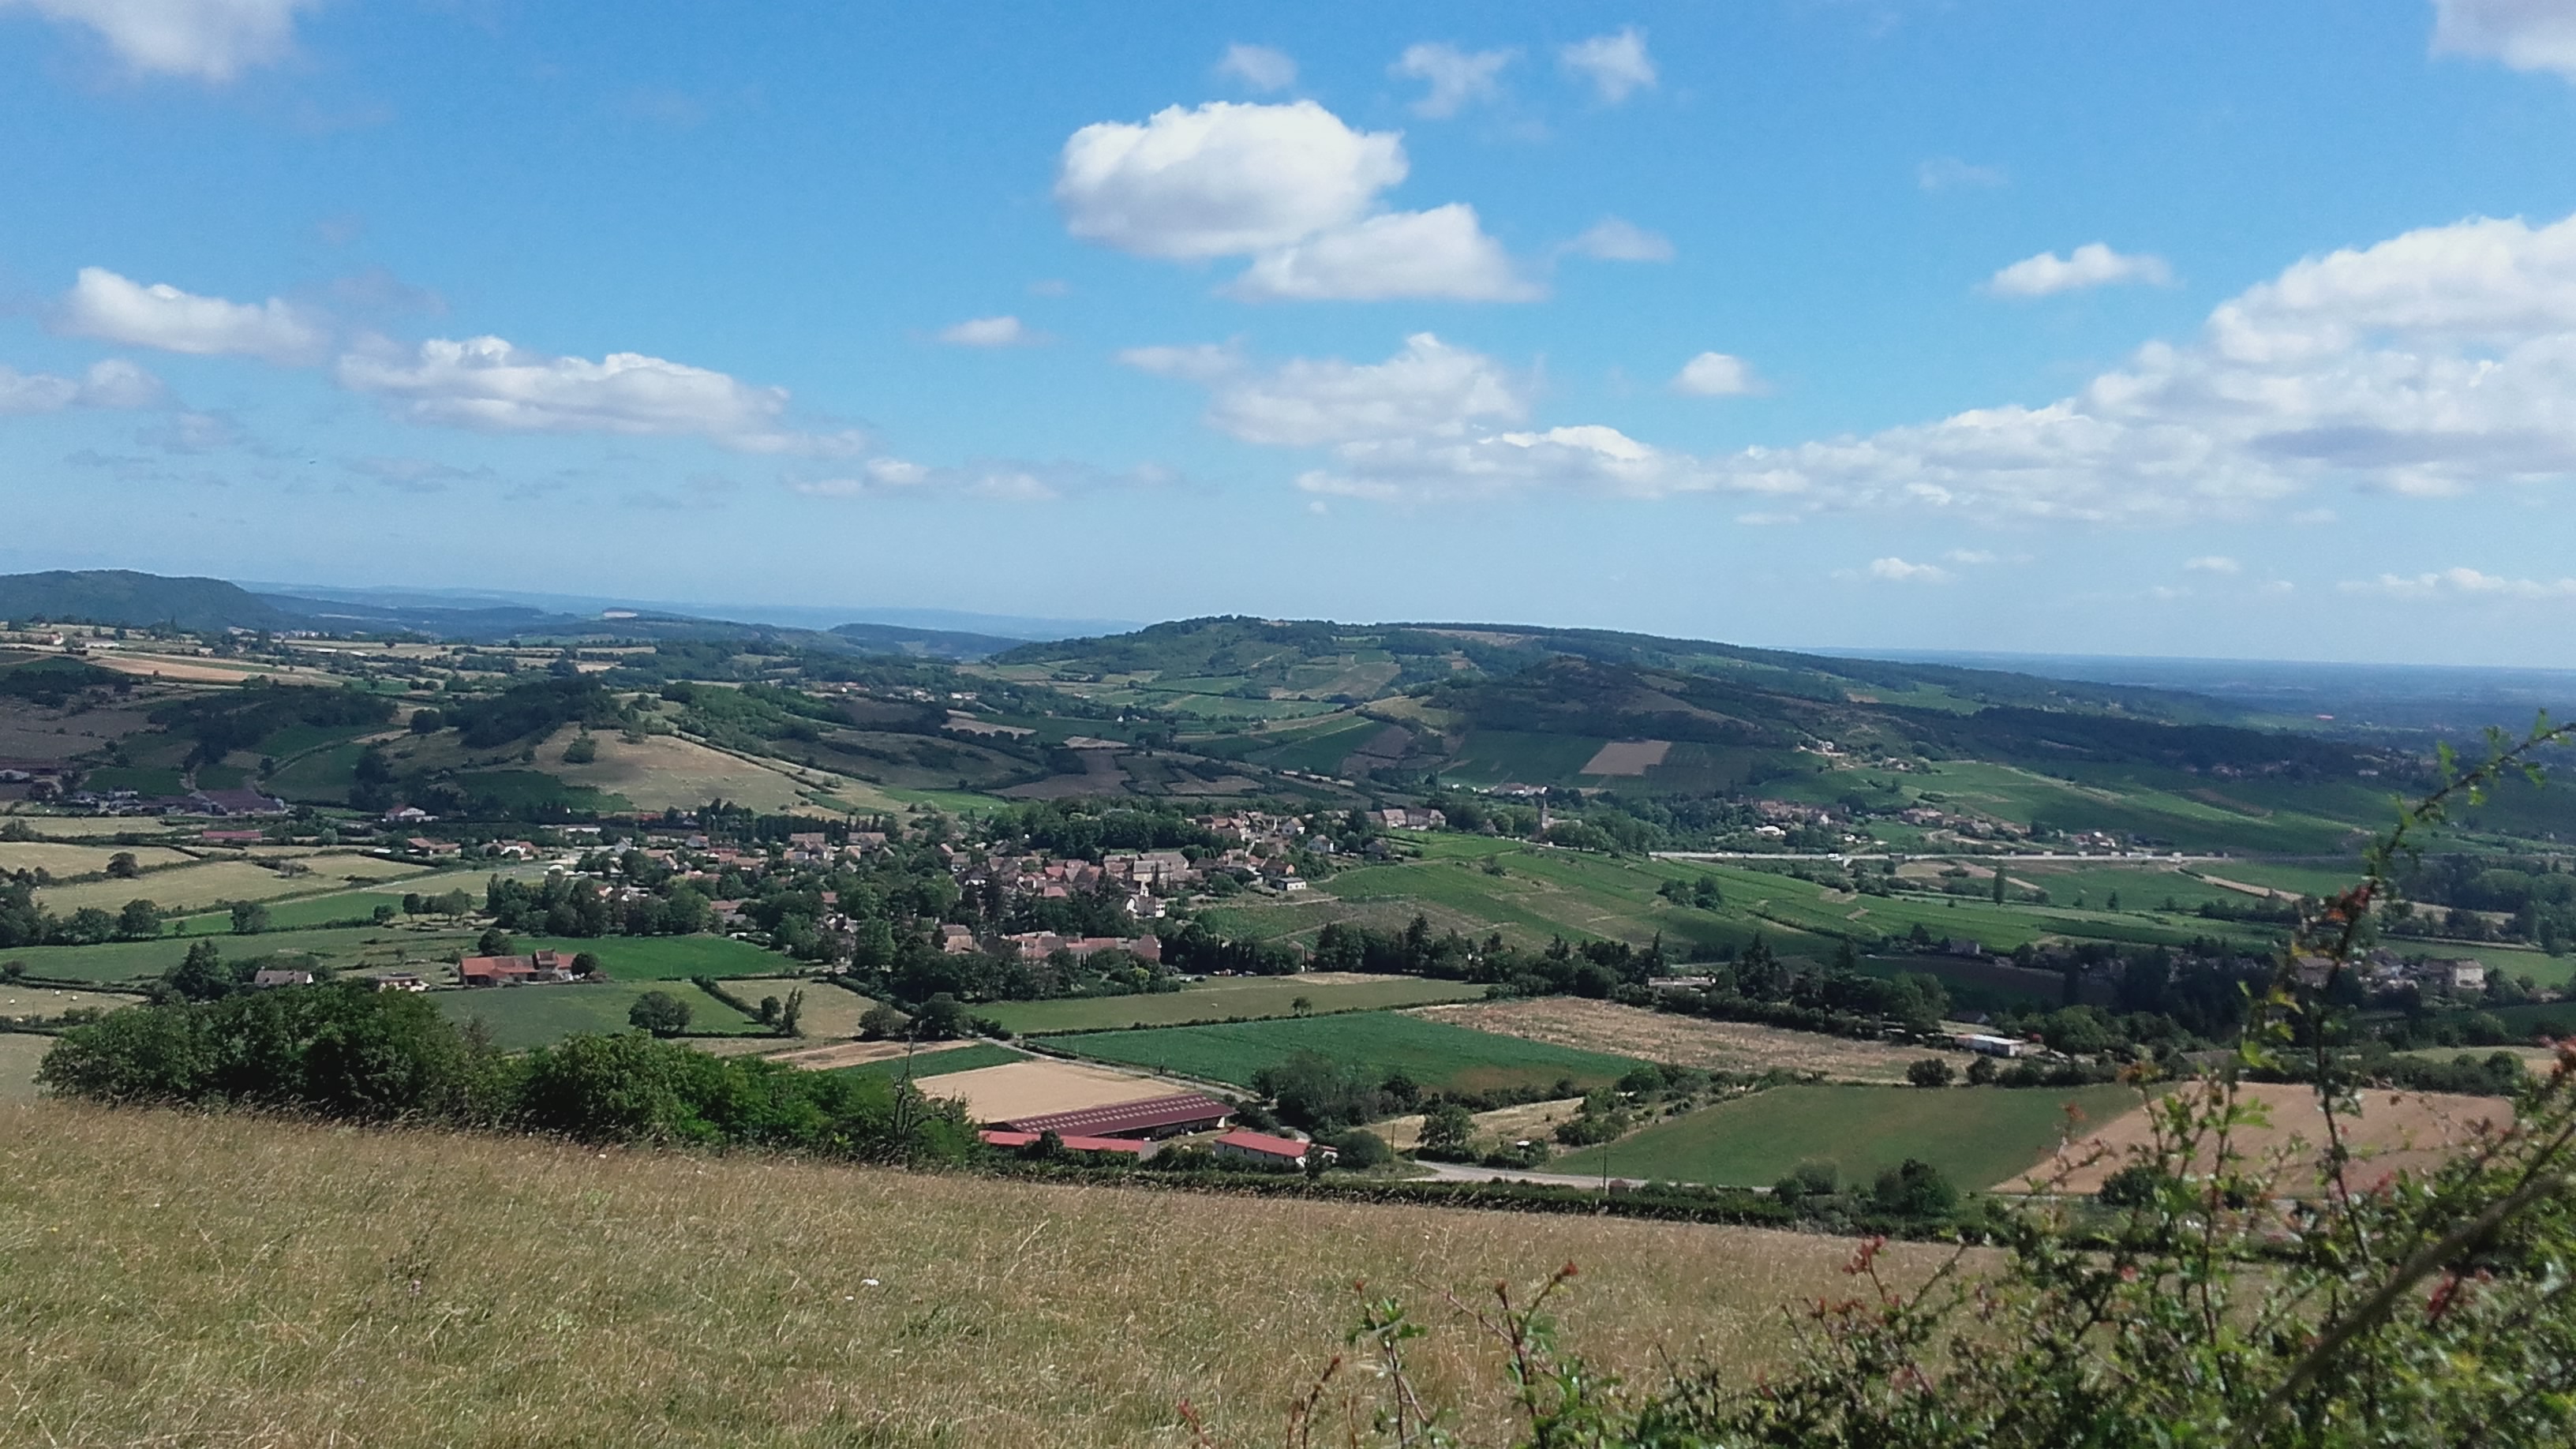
(514, 970)
(1148, 1118)
(401, 981)
(1269, 1151)
(1002, 1138)
(1992, 1046)
(268, 976)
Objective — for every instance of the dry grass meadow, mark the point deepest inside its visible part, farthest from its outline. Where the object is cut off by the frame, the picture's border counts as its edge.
(181, 1279)
(2410, 1131)
(1682, 1041)
(19, 1054)
(71, 860)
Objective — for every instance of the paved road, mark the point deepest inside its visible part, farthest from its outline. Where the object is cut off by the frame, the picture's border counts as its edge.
(1470, 1172)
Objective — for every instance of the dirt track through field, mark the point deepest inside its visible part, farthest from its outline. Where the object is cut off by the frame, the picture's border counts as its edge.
(1685, 1041)
(2408, 1131)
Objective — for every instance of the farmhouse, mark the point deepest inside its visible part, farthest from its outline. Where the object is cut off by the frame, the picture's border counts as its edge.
(1269, 1151)
(515, 970)
(1151, 1117)
(267, 977)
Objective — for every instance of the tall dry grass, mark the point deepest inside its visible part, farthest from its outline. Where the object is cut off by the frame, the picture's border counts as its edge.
(177, 1279)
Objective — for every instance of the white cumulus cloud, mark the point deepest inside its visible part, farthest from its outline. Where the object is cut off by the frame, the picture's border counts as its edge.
(112, 383)
(2090, 265)
(1428, 390)
(1716, 374)
(1258, 67)
(987, 332)
(2214, 563)
(1616, 65)
(1898, 571)
(1222, 179)
(487, 384)
(1441, 253)
(1613, 240)
(2524, 34)
(1289, 186)
(211, 40)
(1457, 78)
(2460, 583)
(105, 305)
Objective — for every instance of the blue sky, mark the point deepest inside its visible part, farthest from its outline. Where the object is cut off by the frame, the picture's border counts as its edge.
(2174, 328)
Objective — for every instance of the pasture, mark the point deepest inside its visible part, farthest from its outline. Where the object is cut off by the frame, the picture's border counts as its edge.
(949, 1061)
(1226, 999)
(520, 1017)
(1435, 1054)
(669, 958)
(47, 1003)
(733, 1294)
(1977, 1136)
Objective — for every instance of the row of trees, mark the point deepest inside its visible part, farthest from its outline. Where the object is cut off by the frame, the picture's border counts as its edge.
(347, 1051)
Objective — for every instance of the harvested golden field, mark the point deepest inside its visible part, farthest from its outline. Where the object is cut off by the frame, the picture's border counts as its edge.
(2412, 1131)
(1682, 1041)
(665, 771)
(829, 1010)
(1028, 1089)
(237, 1281)
(61, 861)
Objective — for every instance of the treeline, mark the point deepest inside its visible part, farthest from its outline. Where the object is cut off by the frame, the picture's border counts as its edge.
(1595, 968)
(348, 1052)
(1086, 829)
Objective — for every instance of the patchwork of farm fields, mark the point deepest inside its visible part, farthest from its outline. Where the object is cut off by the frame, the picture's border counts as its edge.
(1436, 1055)
(1227, 999)
(213, 882)
(115, 962)
(1977, 1136)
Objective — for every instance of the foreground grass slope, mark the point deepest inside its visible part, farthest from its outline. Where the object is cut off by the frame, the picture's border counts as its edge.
(229, 1280)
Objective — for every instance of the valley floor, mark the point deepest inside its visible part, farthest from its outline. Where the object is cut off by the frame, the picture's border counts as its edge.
(192, 1279)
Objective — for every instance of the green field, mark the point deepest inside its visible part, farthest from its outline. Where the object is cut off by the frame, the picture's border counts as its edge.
(520, 1017)
(1977, 1136)
(121, 961)
(1433, 1053)
(666, 958)
(941, 1063)
(1224, 1000)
